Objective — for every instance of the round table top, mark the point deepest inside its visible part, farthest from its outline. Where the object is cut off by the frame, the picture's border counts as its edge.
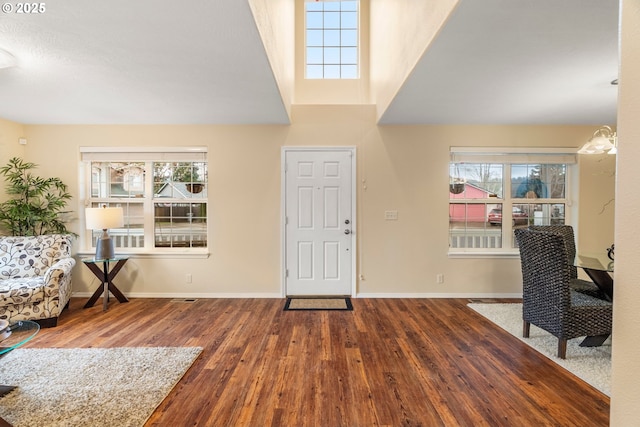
(16, 334)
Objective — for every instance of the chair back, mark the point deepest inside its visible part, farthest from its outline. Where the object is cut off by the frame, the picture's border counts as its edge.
(546, 294)
(566, 231)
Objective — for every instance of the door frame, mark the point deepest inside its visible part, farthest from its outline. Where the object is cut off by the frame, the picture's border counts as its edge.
(283, 201)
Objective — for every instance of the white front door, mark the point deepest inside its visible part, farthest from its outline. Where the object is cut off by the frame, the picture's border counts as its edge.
(318, 222)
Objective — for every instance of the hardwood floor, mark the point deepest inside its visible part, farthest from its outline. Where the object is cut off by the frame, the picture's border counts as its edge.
(389, 362)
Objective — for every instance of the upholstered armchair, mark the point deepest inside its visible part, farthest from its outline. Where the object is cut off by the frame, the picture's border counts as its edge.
(566, 231)
(547, 298)
(35, 277)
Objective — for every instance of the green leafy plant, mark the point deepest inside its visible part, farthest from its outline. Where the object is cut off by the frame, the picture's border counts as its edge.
(37, 204)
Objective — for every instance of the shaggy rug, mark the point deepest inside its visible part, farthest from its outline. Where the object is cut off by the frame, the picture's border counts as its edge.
(318, 304)
(90, 386)
(591, 364)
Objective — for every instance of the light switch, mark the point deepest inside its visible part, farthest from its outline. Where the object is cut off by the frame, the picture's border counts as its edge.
(391, 215)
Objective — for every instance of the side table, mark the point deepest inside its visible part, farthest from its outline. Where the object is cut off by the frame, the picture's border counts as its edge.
(106, 277)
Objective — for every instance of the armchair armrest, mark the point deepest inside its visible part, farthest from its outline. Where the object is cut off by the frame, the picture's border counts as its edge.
(58, 277)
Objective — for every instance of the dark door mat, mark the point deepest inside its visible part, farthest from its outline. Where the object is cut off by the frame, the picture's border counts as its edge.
(318, 304)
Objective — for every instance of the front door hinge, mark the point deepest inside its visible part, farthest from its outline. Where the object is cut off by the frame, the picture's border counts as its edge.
(286, 273)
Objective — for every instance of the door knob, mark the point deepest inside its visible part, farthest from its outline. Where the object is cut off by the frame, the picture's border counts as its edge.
(347, 231)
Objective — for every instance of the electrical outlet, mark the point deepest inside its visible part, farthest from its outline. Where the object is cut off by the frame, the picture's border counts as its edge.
(189, 278)
(439, 278)
(391, 215)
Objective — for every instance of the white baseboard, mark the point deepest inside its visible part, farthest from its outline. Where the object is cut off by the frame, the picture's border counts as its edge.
(186, 295)
(439, 295)
(278, 295)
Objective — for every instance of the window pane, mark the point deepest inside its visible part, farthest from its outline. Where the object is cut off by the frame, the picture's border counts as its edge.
(314, 6)
(349, 37)
(349, 71)
(314, 71)
(349, 19)
(332, 20)
(335, 5)
(179, 180)
(331, 71)
(180, 225)
(349, 55)
(332, 38)
(117, 179)
(469, 226)
(314, 37)
(131, 235)
(475, 180)
(538, 181)
(349, 5)
(314, 55)
(543, 213)
(332, 55)
(314, 20)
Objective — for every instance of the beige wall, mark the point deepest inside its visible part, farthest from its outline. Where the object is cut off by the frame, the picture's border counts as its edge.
(596, 205)
(403, 168)
(401, 31)
(625, 384)
(10, 132)
(273, 19)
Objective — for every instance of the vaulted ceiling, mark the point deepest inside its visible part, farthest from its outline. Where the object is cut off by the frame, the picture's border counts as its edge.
(147, 62)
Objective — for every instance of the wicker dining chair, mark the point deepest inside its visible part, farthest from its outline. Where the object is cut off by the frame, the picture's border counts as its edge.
(566, 231)
(547, 298)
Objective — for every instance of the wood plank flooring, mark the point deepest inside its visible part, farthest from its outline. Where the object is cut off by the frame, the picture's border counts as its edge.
(389, 362)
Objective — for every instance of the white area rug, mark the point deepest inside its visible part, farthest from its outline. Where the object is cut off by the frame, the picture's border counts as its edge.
(591, 364)
(89, 386)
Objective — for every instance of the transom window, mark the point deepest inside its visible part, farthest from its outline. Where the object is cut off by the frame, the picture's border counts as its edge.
(488, 200)
(331, 39)
(163, 196)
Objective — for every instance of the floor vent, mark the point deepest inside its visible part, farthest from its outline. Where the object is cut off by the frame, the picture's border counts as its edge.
(184, 300)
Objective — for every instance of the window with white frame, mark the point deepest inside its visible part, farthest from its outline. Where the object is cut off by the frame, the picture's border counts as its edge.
(492, 193)
(163, 193)
(331, 34)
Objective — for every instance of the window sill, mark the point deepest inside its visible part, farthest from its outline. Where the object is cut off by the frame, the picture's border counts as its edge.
(462, 255)
(200, 254)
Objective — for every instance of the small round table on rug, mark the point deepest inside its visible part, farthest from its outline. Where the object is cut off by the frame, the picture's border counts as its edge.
(13, 336)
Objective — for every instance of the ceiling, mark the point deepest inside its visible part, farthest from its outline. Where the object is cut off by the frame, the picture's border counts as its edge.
(517, 62)
(152, 62)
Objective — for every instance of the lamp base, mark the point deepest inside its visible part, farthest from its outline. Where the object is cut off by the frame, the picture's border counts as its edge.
(104, 248)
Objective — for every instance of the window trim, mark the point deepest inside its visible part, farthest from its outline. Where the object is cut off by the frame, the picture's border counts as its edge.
(133, 154)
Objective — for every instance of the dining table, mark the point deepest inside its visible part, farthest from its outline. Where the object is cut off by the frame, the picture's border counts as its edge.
(599, 268)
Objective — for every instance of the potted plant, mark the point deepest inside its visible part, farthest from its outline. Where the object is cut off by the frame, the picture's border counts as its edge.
(37, 204)
(456, 185)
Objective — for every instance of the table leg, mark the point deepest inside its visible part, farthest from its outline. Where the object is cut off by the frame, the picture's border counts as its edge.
(602, 279)
(106, 285)
(114, 290)
(6, 389)
(99, 274)
(594, 341)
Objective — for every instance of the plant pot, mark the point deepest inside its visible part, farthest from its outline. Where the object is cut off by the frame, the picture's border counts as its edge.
(456, 188)
(195, 188)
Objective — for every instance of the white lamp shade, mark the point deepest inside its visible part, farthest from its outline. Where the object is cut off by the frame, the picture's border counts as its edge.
(103, 218)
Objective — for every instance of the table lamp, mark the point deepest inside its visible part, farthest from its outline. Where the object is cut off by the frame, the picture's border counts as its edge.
(102, 219)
